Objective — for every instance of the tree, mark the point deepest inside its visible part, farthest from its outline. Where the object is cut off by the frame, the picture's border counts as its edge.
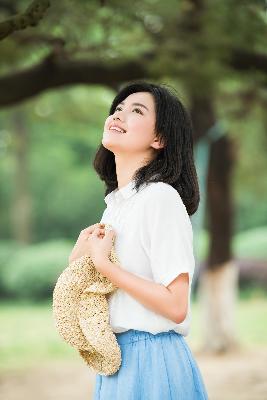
(200, 44)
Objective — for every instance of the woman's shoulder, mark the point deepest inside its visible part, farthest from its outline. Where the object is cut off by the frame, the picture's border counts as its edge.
(162, 196)
(162, 191)
(163, 202)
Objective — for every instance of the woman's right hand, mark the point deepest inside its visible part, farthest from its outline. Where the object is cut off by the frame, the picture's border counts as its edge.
(81, 246)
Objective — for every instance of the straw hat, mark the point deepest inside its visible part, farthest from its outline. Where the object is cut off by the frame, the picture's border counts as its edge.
(81, 313)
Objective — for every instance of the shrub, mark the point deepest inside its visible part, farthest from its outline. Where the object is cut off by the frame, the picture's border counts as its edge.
(32, 271)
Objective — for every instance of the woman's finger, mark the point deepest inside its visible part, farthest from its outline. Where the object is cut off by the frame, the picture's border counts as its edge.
(97, 231)
(90, 229)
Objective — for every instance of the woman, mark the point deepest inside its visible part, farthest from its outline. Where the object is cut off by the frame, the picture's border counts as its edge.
(146, 161)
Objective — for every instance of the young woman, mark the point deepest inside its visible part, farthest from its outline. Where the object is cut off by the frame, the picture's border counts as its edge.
(146, 161)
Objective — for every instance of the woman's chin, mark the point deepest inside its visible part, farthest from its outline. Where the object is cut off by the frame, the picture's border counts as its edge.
(108, 143)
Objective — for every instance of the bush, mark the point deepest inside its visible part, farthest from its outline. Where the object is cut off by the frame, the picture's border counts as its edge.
(7, 250)
(31, 271)
(251, 243)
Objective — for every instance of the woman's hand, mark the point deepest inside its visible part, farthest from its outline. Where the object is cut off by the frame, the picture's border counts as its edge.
(93, 241)
(100, 243)
(81, 246)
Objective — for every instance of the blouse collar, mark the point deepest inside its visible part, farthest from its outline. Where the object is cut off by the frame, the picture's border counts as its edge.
(125, 192)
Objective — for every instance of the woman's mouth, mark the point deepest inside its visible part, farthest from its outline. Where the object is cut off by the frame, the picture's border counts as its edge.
(116, 130)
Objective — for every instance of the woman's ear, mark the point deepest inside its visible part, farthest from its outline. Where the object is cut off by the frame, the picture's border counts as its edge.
(158, 143)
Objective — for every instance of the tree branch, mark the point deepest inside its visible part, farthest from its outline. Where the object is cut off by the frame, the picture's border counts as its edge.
(56, 71)
(22, 38)
(30, 17)
(10, 8)
(243, 60)
(59, 70)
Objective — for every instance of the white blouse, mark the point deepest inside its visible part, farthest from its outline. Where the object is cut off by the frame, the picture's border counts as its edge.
(154, 240)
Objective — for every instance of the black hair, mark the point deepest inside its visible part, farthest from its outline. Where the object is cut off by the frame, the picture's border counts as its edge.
(174, 163)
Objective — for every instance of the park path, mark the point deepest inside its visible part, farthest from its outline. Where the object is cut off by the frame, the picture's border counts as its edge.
(238, 376)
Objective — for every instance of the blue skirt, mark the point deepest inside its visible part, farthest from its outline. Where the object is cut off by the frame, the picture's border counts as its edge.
(154, 367)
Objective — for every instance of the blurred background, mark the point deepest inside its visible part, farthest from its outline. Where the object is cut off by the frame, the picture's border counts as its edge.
(61, 64)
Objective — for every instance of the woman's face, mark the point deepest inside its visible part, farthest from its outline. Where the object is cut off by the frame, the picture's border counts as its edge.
(136, 115)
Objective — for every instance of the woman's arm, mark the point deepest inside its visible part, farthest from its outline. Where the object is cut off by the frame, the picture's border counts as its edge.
(171, 302)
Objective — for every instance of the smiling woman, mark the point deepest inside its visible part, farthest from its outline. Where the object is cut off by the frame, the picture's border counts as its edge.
(135, 117)
(146, 160)
(158, 137)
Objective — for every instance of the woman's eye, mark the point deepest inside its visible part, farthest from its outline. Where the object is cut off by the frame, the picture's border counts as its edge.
(138, 110)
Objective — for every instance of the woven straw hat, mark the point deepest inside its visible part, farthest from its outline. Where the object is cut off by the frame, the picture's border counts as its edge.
(81, 313)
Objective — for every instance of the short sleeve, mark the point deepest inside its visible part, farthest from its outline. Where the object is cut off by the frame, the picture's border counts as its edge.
(167, 234)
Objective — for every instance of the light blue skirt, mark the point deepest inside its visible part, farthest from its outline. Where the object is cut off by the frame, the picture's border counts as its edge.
(154, 367)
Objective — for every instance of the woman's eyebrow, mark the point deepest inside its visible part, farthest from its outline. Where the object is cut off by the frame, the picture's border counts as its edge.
(136, 104)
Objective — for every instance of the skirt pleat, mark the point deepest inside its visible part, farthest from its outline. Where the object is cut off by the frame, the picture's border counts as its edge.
(154, 367)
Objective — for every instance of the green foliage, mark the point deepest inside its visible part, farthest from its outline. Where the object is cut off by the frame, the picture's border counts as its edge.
(249, 135)
(200, 40)
(64, 127)
(32, 271)
(7, 250)
(66, 193)
(251, 244)
(201, 245)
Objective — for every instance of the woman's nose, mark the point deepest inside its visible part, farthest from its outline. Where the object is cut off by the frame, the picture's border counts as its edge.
(117, 117)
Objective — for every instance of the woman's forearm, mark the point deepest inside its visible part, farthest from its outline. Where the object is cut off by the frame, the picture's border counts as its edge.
(151, 294)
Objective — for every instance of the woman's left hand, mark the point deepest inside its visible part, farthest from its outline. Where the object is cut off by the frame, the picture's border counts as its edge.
(100, 243)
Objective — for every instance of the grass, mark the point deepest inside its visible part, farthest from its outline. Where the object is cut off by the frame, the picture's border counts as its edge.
(28, 335)
(250, 322)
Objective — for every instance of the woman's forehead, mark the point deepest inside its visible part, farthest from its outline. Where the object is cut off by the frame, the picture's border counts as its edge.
(144, 98)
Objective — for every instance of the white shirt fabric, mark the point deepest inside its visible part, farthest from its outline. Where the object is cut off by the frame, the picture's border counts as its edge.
(154, 240)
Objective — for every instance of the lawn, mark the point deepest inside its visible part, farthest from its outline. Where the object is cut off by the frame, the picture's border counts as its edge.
(28, 335)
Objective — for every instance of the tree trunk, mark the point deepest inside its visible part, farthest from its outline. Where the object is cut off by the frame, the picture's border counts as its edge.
(21, 207)
(217, 296)
(217, 288)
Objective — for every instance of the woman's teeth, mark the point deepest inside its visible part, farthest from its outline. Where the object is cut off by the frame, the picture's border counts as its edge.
(116, 129)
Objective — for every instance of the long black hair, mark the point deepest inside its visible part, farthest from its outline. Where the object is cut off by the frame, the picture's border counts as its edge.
(174, 163)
